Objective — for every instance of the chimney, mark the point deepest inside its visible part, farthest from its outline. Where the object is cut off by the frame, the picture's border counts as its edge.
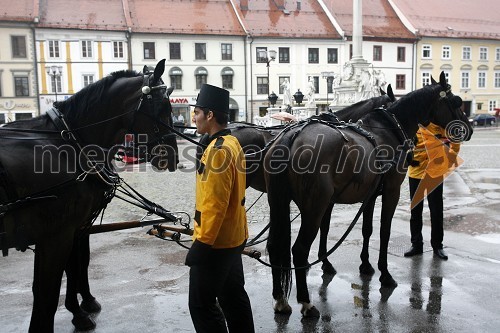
(244, 4)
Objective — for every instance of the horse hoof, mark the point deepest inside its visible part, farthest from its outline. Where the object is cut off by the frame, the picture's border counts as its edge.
(91, 306)
(387, 281)
(366, 269)
(83, 322)
(311, 312)
(285, 310)
(328, 269)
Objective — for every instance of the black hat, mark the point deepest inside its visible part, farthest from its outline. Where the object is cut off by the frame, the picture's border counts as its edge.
(213, 98)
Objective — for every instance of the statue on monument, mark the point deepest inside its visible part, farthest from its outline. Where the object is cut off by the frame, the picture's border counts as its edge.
(310, 92)
(287, 95)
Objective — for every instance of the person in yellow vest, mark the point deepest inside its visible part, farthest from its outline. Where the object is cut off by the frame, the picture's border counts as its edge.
(216, 280)
(434, 158)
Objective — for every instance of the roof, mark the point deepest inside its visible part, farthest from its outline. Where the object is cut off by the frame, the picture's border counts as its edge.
(453, 18)
(19, 11)
(280, 18)
(78, 14)
(200, 17)
(379, 19)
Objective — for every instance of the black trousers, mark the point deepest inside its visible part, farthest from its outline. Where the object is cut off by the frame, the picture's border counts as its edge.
(220, 279)
(435, 202)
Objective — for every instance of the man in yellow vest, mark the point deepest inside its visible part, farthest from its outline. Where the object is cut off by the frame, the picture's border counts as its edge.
(220, 228)
(434, 158)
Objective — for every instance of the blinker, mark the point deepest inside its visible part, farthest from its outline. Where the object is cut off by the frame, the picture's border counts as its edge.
(146, 90)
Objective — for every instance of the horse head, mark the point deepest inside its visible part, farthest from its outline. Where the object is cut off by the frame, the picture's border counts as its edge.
(450, 115)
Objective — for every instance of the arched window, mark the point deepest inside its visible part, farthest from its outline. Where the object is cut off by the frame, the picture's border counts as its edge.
(227, 74)
(200, 74)
(175, 74)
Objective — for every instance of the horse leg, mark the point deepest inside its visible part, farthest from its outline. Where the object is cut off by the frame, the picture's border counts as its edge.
(327, 267)
(388, 209)
(300, 251)
(51, 254)
(89, 303)
(74, 268)
(366, 268)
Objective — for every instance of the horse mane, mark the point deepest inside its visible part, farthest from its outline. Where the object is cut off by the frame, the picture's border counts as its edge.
(417, 99)
(91, 99)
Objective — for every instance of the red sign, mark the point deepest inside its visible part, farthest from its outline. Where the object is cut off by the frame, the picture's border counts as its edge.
(181, 100)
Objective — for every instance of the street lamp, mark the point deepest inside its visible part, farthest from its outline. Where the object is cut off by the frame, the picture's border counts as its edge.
(55, 72)
(273, 98)
(329, 78)
(268, 56)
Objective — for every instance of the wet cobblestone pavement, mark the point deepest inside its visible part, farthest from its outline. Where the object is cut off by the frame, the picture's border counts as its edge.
(141, 281)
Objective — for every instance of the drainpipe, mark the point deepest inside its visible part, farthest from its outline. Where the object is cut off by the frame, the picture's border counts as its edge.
(251, 78)
(128, 35)
(35, 66)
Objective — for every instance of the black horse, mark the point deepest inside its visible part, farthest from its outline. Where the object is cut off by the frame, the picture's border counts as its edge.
(56, 177)
(317, 165)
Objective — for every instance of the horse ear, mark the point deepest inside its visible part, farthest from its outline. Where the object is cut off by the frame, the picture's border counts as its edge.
(391, 93)
(433, 81)
(382, 92)
(442, 79)
(159, 69)
(145, 70)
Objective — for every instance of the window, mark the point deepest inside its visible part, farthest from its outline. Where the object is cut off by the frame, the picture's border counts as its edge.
(175, 74)
(2, 118)
(227, 74)
(466, 53)
(54, 49)
(261, 55)
(426, 51)
(227, 51)
(497, 54)
(481, 79)
(56, 83)
(200, 74)
(377, 52)
(200, 51)
(21, 86)
(316, 83)
(88, 79)
(284, 54)
(23, 115)
(483, 53)
(329, 84)
(446, 52)
(333, 55)
(497, 79)
(175, 51)
(18, 46)
(281, 80)
(401, 54)
(86, 49)
(400, 81)
(492, 105)
(118, 49)
(464, 81)
(313, 55)
(426, 78)
(149, 50)
(262, 86)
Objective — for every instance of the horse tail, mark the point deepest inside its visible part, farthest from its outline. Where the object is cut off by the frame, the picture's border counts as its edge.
(279, 239)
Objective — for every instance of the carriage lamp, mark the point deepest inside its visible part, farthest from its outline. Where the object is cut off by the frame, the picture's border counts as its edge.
(272, 98)
(55, 73)
(298, 97)
(267, 56)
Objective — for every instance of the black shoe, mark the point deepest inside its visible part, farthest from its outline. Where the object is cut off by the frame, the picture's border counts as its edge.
(413, 251)
(440, 254)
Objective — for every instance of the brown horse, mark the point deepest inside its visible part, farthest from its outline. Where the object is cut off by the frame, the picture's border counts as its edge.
(55, 175)
(347, 165)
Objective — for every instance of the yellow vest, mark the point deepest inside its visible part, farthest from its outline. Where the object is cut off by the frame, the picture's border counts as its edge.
(431, 152)
(220, 217)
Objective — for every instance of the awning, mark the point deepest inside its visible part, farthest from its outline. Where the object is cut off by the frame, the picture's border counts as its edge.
(200, 71)
(175, 71)
(227, 71)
